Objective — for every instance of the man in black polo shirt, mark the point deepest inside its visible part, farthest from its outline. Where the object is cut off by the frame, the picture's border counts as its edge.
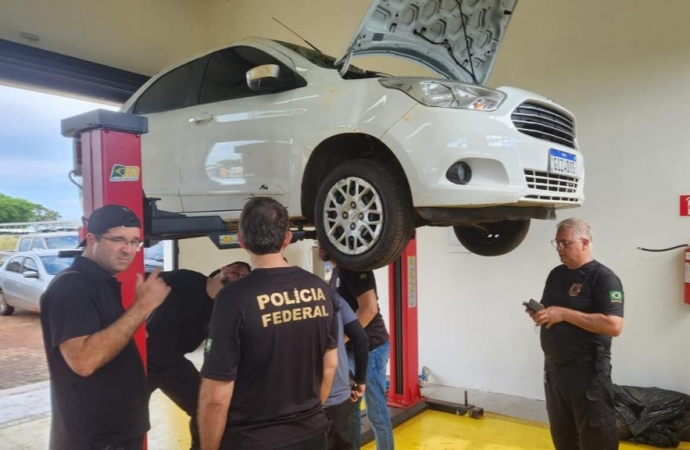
(178, 327)
(584, 310)
(271, 352)
(98, 386)
(359, 290)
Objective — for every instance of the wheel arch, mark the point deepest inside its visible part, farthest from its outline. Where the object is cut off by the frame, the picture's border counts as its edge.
(336, 150)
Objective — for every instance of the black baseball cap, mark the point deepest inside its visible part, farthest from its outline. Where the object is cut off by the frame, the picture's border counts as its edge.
(110, 216)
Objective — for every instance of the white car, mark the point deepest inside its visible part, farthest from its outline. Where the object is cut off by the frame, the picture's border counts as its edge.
(361, 156)
(24, 277)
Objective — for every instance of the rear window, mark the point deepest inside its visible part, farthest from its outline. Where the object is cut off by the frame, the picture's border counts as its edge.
(62, 242)
(55, 264)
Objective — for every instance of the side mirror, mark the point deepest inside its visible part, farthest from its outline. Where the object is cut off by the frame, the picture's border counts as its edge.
(265, 78)
(30, 274)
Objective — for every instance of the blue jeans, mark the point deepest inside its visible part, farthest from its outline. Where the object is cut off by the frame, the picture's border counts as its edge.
(375, 398)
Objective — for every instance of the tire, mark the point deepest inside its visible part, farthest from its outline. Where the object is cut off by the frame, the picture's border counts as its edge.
(5, 309)
(363, 215)
(492, 239)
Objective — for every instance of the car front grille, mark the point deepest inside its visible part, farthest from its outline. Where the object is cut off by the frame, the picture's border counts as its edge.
(561, 188)
(545, 123)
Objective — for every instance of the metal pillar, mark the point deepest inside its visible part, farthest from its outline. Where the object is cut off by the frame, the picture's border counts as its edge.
(404, 389)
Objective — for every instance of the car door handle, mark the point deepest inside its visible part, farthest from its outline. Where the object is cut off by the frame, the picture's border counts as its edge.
(202, 119)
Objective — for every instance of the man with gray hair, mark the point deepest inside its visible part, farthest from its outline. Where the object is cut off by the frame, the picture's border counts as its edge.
(583, 302)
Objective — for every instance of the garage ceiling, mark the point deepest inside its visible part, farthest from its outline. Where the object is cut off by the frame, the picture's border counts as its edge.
(95, 49)
(142, 37)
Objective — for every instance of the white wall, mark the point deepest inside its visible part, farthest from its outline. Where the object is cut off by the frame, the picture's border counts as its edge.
(621, 66)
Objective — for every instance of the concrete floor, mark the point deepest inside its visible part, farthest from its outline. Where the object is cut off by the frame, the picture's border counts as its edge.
(511, 423)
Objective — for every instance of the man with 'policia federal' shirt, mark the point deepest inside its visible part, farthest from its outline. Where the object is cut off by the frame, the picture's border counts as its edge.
(584, 311)
(271, 353)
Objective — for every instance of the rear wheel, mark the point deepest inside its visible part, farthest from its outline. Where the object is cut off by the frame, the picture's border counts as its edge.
(363, 215)
(494, 238)
(5, 309)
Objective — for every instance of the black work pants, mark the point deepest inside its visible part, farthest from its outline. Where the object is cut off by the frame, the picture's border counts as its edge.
(320, 442)
(130, 444)
(340, 437)
(579, 401)
(180, 383)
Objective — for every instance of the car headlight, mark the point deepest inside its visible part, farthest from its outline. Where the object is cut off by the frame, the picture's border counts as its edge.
(447, 94)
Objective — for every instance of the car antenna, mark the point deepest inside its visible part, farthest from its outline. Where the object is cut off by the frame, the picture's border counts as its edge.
(467, 41)
(295, 33)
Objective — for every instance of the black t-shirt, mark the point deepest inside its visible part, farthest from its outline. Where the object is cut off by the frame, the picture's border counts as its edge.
(111, 405)
(269, 332)
(353, 284)
(592, 288)
(180, 324)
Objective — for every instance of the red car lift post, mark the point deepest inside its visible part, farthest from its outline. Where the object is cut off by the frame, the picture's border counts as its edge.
(404, 389)
(107, 154)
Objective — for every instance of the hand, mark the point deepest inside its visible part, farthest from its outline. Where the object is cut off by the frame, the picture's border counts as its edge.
(357, 392)
(152, 291)
(549, 316)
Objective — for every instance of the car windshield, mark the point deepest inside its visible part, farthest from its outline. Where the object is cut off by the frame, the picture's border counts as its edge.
(55, 264)
(327, 62)
(62, 241)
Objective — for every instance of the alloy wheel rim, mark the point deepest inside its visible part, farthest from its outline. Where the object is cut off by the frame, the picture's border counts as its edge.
(353, 216)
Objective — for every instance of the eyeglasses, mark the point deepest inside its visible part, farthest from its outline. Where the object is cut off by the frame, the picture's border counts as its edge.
(121, 242)
(563, 243)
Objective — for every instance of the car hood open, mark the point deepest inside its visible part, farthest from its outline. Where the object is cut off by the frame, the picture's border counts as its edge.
(431, 33)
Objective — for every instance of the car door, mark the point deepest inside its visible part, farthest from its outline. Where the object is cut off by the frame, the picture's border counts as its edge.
(11, 278)
(163, 103)
(29, 290)
(238, 140)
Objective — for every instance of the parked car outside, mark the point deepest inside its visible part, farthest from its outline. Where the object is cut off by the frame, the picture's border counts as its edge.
(361, 156)
(24, 277)
(47, 240)
(153, 257)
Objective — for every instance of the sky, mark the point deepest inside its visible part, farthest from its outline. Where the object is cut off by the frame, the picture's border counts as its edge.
(34, 157)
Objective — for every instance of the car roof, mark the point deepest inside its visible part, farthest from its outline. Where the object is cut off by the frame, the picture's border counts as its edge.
(52, 234)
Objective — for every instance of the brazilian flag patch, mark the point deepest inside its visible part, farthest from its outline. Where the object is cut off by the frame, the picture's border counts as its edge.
(616, 296)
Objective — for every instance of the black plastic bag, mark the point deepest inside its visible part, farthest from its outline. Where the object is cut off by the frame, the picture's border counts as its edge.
(651, 416)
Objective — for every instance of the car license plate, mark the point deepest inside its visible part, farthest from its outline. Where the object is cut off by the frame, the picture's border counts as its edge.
(561, 162)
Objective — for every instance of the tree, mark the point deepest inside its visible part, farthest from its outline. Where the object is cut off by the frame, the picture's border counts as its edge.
(14, 209)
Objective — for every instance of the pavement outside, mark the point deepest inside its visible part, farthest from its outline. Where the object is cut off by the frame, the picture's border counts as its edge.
(22, 358)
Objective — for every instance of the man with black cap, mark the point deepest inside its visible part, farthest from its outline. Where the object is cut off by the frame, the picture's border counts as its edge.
(178, 327)
(98, 384)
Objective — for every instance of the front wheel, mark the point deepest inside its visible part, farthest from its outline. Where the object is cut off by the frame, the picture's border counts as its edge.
(494, 238)
(5, 309)
(363, 215)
